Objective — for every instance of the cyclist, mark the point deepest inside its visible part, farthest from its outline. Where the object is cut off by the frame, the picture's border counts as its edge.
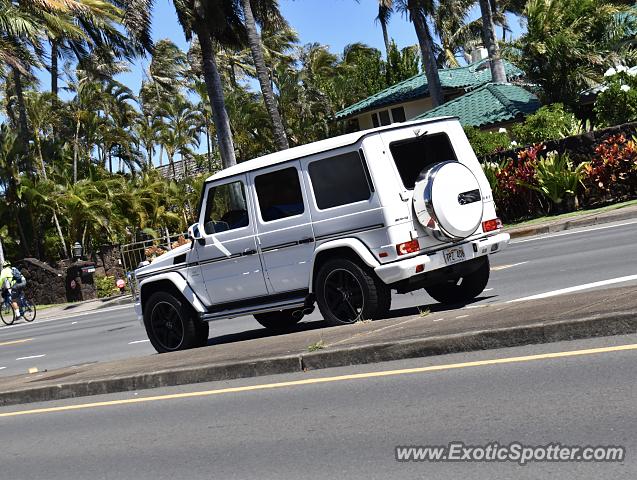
(12, 282)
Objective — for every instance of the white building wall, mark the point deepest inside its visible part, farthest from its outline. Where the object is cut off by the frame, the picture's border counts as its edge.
(412, 109)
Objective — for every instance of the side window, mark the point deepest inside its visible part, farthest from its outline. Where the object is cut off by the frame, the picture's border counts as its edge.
(384, 117)
(226, 208)
(398, 114)
(413, 155)
(339, 180)
(279, 194)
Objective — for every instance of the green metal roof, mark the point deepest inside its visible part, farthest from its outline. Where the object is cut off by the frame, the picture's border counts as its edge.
(488, 105)
(472, 75)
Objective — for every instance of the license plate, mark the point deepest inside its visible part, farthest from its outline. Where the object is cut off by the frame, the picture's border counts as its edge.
(454, 255)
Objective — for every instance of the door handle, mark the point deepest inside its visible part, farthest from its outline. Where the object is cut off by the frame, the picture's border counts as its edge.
(249, 251)
(306, 240)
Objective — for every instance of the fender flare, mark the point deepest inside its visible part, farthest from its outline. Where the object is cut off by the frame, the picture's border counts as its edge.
(180, 284)
(358, 247)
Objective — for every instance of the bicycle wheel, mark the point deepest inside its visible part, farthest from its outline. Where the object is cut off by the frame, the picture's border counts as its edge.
(7, 314)
(28, 310)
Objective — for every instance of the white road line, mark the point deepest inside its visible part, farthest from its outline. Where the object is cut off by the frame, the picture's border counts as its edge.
(487, 289)
(32, 356)
(462, 316)
(577, 288)
(73, 323)
(438, 319)
(138, 341)
(572, 232)
(2, 368)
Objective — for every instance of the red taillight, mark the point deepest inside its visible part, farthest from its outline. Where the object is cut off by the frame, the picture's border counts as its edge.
(420, 268)
(491, 225)
(407, 247)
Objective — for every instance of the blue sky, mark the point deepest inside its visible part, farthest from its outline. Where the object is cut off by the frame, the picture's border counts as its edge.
(335, 23)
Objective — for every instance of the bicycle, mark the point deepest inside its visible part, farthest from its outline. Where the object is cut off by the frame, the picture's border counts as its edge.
(27, 309)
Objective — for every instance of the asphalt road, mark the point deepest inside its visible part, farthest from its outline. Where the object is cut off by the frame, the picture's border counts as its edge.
(528, 267)
(345, 427)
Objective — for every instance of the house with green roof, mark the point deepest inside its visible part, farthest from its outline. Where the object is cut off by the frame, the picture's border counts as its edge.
(468, 93)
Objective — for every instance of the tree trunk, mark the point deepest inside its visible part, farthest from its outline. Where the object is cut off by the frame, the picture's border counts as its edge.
(498, 74)
(22, 110)
(76, 150)
(208, 142)
(383, 25)
(215, 95)
(59, 230)
(254, 40)
(428, 57)
(1, 252)
(54, 66)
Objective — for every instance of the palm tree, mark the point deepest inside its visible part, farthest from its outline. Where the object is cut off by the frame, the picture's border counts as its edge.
(498, 74)
(385, 10)
(419, 11)
(268, 13)
(182, 129)
(453, 30)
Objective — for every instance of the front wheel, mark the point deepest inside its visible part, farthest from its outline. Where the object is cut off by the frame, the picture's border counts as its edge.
(29, 311)
(170, 324)
(346, 292)
(463, 289)
(7, 314)
(280, 321)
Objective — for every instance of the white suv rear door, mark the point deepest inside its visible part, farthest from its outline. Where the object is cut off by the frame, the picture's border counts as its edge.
(284, 226)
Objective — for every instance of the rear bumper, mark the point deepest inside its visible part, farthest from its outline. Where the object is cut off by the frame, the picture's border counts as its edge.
(404, 269)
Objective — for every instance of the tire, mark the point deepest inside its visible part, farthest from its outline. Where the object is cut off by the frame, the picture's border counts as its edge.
(463, 289)
(7, 314)
(29, 312)
(346, 292)
(170, 323)
(280, 321)
(202, 332)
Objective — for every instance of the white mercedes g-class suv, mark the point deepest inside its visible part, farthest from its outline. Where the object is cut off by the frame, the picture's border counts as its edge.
(340, 223)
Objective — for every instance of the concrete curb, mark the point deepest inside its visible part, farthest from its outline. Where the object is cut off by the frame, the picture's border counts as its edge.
(612, 324)
(542, 229)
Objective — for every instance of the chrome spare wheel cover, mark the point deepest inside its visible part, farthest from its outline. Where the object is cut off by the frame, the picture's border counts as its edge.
(448, 201)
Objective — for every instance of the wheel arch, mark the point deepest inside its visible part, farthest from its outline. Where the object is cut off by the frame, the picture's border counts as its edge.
(350, 248)
(172, 283)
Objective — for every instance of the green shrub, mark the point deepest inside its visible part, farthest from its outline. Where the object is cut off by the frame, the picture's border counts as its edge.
(617, 103)
(486, 143)
(550, 122)
(558, 180)
(105, 286)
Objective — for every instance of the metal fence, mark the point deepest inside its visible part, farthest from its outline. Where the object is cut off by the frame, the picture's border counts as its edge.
(146, 250)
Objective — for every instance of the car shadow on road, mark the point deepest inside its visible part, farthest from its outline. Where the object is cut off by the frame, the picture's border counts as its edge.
(433, 308)
(264, 332)
(305, 326)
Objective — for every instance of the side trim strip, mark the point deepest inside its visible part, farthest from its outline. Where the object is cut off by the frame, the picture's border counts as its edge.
(345, 233)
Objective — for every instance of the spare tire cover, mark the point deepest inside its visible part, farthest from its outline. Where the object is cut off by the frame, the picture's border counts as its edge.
(448, 201)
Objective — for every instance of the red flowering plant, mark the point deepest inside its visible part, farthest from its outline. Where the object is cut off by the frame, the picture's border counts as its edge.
(611, 174)
(513, 197)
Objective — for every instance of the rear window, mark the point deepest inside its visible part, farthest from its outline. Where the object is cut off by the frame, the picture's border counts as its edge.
(339, 180)
(413, 155)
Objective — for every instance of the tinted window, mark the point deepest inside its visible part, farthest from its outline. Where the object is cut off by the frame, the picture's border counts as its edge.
(339, 180)
(398, 114)
(412, 156)
(375, 120)
(384, 117)
(279, 194)
(226, 208)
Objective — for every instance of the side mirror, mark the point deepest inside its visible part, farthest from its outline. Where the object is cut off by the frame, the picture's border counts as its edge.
(194, 233)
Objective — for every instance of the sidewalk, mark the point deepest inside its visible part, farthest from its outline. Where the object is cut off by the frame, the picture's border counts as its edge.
(83, 307)
(407, 335)
(582, 220)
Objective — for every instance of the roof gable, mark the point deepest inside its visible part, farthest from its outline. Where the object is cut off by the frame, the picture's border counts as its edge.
(488, 105)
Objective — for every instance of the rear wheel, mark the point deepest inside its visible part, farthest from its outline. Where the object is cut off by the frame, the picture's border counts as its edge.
(170, 323)
(462, 289)
(7, 314)
(346, 293)
(279, 321)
